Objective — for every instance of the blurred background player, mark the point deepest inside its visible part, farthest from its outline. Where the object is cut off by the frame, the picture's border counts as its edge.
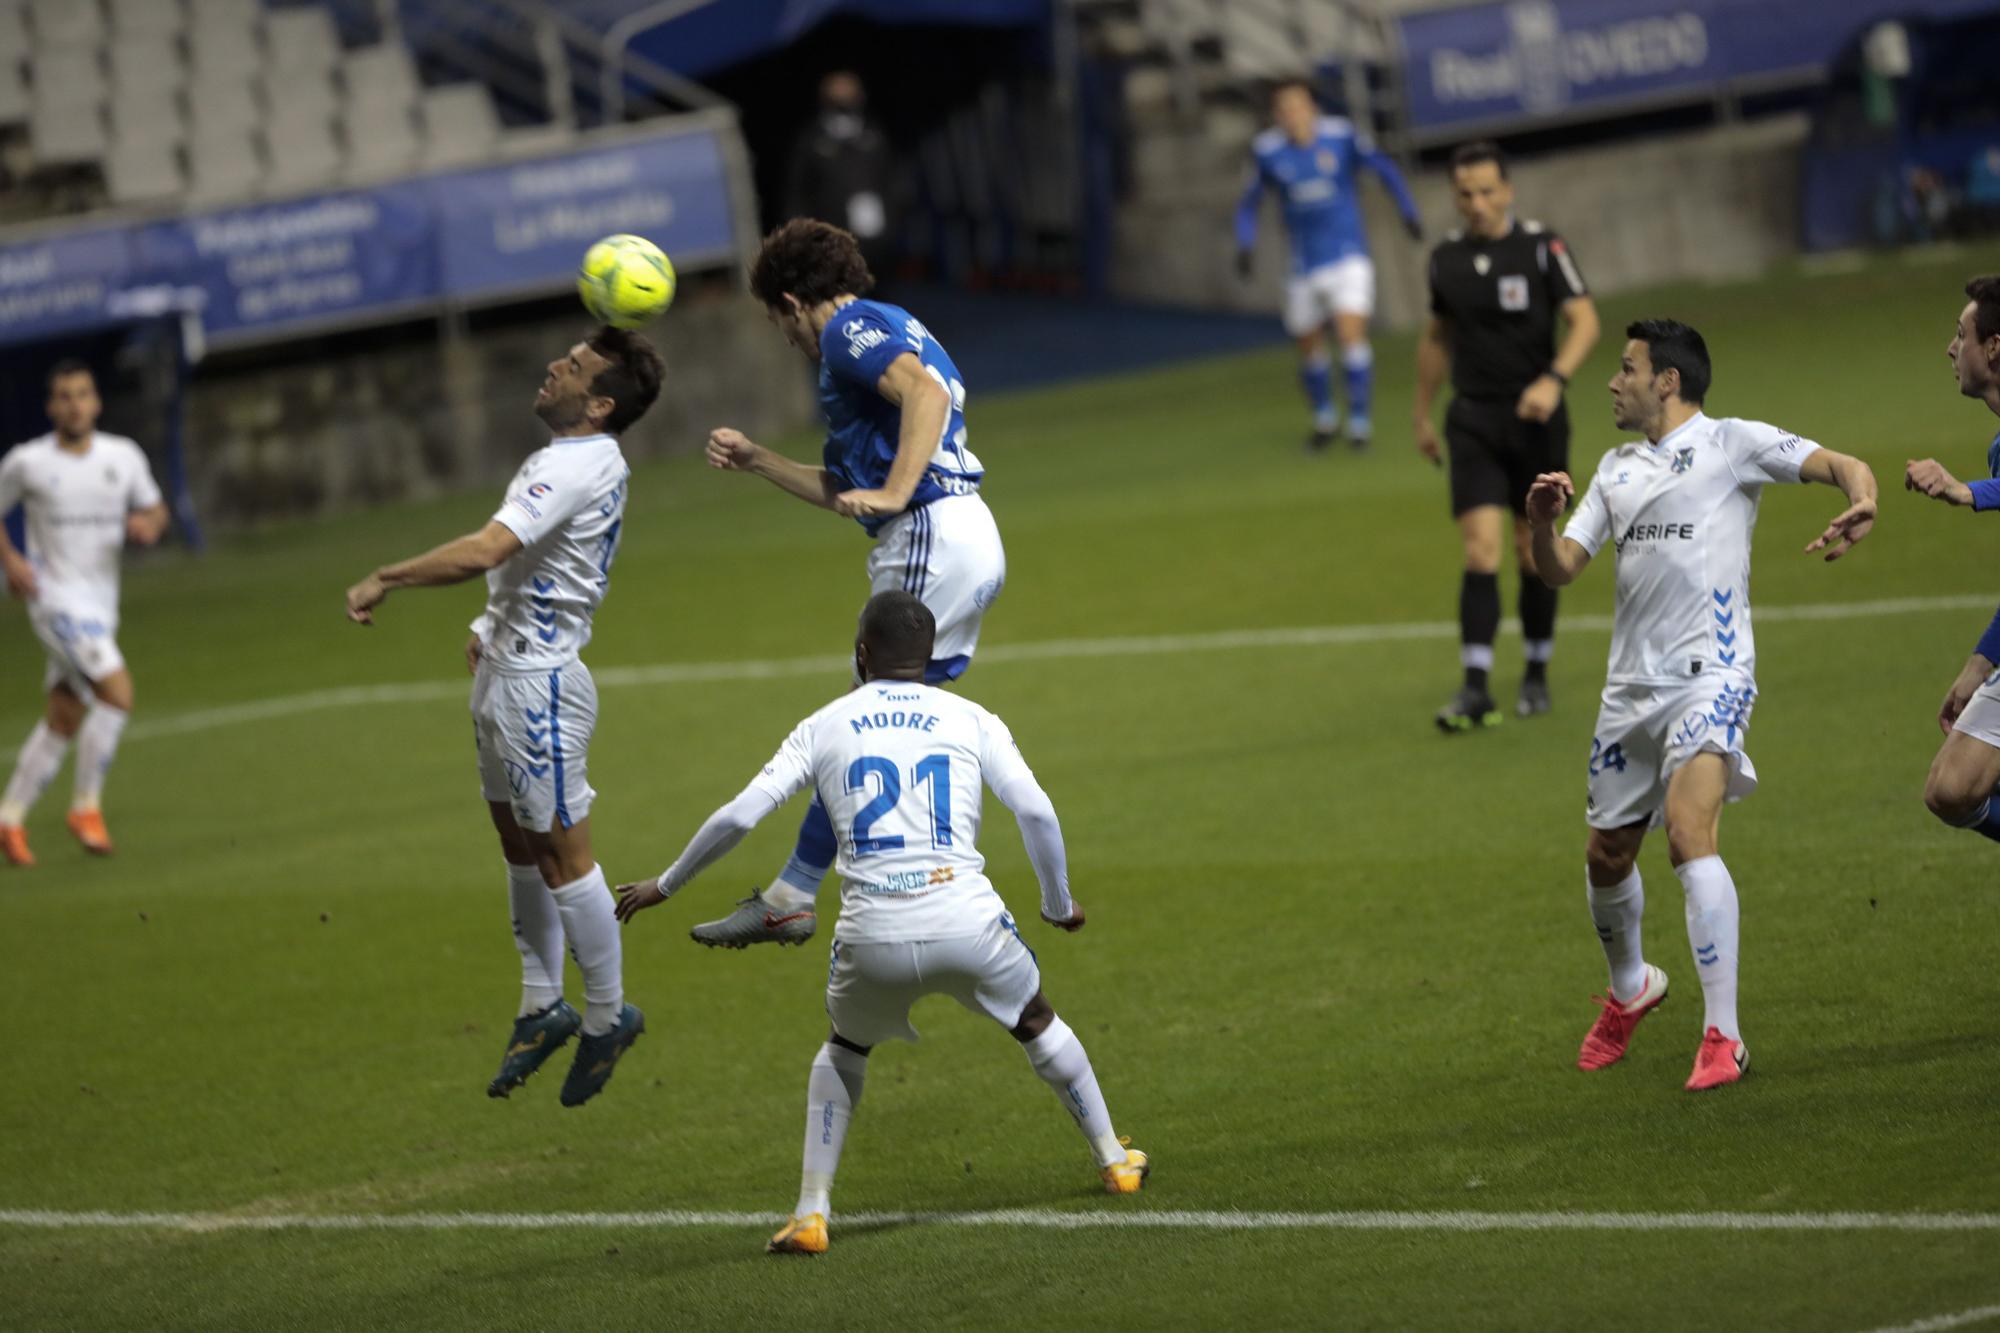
(895, 461)
(1313, 161)
(86, 494)
(843, 170)
(547, 555)
(1496, 289)
(1678, 508)
(903, 765)
(1960, 787)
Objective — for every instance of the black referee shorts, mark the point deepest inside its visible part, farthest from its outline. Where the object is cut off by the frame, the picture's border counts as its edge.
(1495, 455)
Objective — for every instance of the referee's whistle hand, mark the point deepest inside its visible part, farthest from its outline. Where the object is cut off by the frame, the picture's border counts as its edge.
(1426, 440)
(1539, 401)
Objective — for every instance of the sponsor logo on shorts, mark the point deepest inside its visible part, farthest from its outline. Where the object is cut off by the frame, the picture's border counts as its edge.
(988, 593)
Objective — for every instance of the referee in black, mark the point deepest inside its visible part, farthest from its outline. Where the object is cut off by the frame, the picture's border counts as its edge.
(1496, 288)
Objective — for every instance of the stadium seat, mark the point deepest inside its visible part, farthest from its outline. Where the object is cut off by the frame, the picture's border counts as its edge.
(219, 15)
(147, 18)
(224, 53)
(146, 60)
(146, 116)
(300, 41)
(302, 92)
(66, 23)
(224, 164)
(65, 131)
(136, 173)
(220, 104)
(381, 139)
(67, 73)
(460, 125)
(380, 75)
(13, 94)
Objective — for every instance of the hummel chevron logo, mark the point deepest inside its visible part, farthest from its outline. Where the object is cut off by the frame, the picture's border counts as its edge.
(535, 735)
(1723, 596)
(546, 635)
(532, 715)
(1725, 618)
(539, 770)
(1726, 640)
(544, 585)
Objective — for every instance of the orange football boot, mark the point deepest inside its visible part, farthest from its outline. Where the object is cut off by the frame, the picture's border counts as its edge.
(1720, 1060)
(88, 826)
(14, 845)
(1608, 1037)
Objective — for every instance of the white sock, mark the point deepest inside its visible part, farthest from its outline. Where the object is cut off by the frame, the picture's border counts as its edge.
(1540, 650)
(592, 929)
(538, 934)
(833, 1090)
(96, 747)
(40, 760)
(1616, 910)
(784, 895)
(1712, 931)
(1060, 1059)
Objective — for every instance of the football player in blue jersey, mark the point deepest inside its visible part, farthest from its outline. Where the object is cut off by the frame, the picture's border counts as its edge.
(895, 461)
(1313, 161)
(1960, 789)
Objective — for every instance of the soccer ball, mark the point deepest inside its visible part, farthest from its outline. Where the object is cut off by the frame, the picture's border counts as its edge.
(625, 281)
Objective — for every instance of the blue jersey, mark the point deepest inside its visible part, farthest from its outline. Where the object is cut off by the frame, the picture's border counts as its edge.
(856, 348)
(1316, 183)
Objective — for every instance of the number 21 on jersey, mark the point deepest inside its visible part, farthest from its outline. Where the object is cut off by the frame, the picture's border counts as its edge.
(932, 771)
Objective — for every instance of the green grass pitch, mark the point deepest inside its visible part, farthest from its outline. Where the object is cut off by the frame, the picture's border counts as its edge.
(1334, 962)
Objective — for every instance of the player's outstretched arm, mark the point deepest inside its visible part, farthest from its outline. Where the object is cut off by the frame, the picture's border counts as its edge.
(1930, 478)
(456, 561)
(1041, 832)
(1558, 559)
(732, 451)
(1390, 175)
(20, 574)
(1857, 482)
(714, 840)
(926, 411)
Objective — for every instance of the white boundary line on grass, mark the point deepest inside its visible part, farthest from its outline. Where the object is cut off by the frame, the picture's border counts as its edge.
(1151, 645)
(1039, 1219)
(1938, 1323)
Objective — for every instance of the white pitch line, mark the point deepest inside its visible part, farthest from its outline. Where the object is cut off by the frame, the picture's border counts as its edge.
(832, 667)
(1026, 1218)
(1938, 1323)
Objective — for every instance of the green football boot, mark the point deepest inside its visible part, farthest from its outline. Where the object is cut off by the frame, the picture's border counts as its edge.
(536, 1038)
(595, 1057)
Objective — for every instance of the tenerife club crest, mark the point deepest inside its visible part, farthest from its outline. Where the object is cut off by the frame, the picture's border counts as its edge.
(1683, 459)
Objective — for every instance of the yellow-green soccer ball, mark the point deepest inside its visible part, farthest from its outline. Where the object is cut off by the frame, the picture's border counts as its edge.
(625, 281)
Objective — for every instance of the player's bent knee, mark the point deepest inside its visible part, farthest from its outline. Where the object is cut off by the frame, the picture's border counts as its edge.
(1036, 1016)
(834, 1038)
(115, 690)
(1951, 797)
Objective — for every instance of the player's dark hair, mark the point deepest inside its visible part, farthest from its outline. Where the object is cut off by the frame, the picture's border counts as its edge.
(898, 629)
(1480, 150)
(1985, 294)
(68, 366)
(630, 379)
(1297, 81)
(1672, 345)
(812, 260)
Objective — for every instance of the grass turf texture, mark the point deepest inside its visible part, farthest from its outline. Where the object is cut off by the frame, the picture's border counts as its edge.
(1334, 960)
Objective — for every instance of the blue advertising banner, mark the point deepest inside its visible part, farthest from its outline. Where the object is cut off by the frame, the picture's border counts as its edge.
(482, 234)
(507, 229)
(1496, 65)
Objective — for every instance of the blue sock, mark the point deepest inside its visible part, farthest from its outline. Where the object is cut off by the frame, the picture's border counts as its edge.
(1359, 363)
(1985, 821)
(813, 856)
(1317, 377)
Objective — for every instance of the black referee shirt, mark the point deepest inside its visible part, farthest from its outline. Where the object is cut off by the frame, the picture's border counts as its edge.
(1500, 300)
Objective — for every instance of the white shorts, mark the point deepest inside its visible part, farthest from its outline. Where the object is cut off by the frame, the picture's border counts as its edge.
(1980, 718)
(1646, 732)
(948, 553)
(533, 734)
(870, 987)
(82, 647)
(1343, 288)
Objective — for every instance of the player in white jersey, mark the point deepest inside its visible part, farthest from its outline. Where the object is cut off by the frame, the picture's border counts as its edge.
(1961, 788)
(547, 555)
(85, 494)
(899, 765)
(1678, 508)
(896, 461)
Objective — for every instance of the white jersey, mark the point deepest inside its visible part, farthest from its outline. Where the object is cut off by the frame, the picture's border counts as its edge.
(899, 766)
(1679, 514)
(566, 504)
(76, 509)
